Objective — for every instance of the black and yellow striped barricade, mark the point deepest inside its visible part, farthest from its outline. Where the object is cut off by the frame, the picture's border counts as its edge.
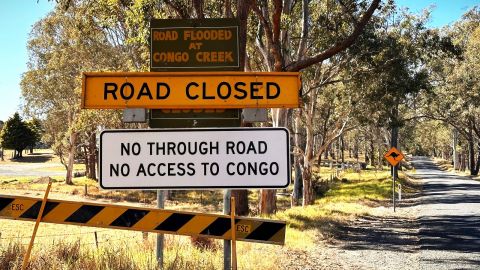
(143, 219)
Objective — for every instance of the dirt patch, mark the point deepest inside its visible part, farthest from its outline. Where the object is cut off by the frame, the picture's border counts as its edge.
(43, 180)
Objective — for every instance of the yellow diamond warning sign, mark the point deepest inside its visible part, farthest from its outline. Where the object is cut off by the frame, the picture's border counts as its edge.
(393, 156)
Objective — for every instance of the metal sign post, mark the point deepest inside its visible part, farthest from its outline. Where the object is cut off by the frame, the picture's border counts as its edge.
(393, 186)
(243, 162)
(234, 230)
(227, 244)
(160, 236)
(394, 156)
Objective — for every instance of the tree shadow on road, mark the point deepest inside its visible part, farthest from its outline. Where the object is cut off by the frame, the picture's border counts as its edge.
(450, 193)
(381, 233)
(450, 233)
(34, 158)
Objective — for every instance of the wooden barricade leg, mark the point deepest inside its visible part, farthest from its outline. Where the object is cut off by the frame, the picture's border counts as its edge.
(37, 223)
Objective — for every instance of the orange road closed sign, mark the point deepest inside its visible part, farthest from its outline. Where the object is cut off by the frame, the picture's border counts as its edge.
(190, 90)
(393, 156)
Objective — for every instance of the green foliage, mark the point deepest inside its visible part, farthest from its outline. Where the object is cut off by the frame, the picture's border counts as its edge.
(390, 71)
(17, 135)
(427, 138)
(36, 127)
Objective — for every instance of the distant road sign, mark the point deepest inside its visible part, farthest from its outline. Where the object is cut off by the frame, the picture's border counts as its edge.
(190, 90)
(142, 219)
(195, 158)
(393, 156)
(194, 44)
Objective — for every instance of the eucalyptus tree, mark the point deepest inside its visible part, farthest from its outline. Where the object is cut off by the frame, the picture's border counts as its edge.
(62, 45)
(456, 95)
(470, 82)
(391, 71)
(292, 36)
(88, 123)
(426, 137)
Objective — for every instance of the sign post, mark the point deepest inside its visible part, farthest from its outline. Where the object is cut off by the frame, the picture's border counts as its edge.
(160, 236)
(393, 186)
(194, 45)
(234, 243)
(394, 156)
(227, 244)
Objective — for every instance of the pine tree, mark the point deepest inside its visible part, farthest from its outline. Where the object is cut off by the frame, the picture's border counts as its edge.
(16, 135)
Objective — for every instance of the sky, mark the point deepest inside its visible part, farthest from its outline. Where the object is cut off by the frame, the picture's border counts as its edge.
(18, 16)
(16, 20)
(445, 11)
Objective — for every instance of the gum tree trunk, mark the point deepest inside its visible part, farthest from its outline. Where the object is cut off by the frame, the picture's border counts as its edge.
(71, 158)
(92, 156)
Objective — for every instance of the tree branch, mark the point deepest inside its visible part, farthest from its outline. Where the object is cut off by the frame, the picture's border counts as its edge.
(228, 9)
(277, 14)
(259, 43)
(303, 63)
(180, 9)
(198, 6)
(302, 47)
(243, 9)
(347, 11)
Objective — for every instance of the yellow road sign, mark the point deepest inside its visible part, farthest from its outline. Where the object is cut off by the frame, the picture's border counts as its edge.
(393, 156)
(190, 90)
(143, 219)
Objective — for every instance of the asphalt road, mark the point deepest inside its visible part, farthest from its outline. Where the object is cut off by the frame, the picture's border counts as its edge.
(32, 169)
(449, 218)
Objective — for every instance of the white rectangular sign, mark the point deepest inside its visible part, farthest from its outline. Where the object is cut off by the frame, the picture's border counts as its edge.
(233, 158)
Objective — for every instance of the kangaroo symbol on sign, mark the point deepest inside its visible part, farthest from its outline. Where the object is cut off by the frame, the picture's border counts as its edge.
(394, 155)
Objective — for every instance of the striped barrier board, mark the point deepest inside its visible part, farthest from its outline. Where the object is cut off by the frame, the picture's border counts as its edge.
(143, 219)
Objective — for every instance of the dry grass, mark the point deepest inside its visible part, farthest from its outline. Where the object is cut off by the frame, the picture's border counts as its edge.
(447, 165)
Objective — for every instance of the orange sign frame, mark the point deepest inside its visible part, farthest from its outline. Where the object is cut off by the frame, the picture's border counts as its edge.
(393, 156)
(190, 90)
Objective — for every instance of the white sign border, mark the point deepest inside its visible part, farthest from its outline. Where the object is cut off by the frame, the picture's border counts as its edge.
(288, 177)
